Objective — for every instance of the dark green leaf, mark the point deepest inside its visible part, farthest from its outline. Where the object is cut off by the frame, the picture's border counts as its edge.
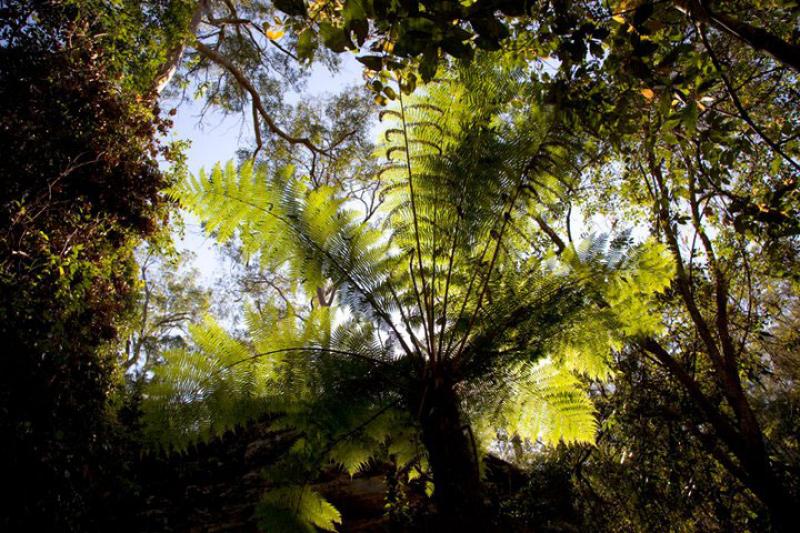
(428, 64)
(306, 44)
(334, 38)
(642, 13)
(390, 93)
(371, 62)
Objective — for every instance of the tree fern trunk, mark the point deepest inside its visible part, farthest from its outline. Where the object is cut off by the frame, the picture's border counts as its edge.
(452, 457)
(770, 489)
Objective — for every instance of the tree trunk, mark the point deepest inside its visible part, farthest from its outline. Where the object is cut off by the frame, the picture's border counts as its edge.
(745, 442)
(772, 492)
(452, 457)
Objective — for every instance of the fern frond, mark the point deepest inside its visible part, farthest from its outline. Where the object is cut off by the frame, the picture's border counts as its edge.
(540, 402)
(296, 508)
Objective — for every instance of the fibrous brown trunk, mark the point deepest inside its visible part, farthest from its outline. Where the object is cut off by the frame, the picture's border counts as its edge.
(768, 487)
(453, 459)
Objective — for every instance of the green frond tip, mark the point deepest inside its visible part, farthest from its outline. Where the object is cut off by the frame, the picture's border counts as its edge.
(351, 455)
(632, 289)
(296, 509)
(542, 402)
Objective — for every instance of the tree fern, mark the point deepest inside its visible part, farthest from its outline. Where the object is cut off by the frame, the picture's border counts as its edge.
(443, 286)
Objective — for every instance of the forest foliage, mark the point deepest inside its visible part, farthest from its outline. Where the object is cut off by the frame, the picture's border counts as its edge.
(572, 245)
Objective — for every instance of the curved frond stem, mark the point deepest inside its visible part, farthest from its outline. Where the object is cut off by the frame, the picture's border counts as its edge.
(351, 433)
(495, 254)
(420, 305)
(311, 349)
(437, 349)
(318, 459)
(405, 319)
(450, 260)
(362, 426)
(506, 215)
(465, 300)
(425, 313)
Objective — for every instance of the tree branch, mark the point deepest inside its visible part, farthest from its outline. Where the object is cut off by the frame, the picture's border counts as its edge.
(558, 241)
(755, 37)
(245, 84)
(723, 427)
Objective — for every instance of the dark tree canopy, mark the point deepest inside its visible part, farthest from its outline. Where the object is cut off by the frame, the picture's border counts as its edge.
(81, 185)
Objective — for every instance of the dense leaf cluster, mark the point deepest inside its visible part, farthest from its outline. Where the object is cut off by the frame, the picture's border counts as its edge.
(80, 187)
